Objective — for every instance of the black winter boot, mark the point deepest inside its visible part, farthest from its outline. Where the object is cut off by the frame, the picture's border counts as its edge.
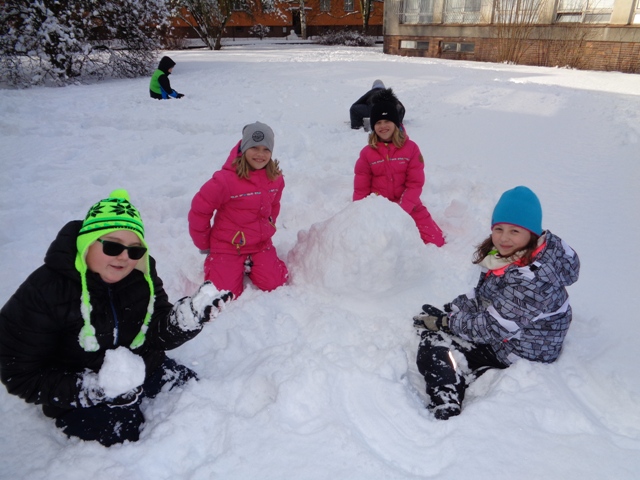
(445, 402)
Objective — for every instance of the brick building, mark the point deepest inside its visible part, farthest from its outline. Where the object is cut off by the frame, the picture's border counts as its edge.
(586, 34)
(321, 16)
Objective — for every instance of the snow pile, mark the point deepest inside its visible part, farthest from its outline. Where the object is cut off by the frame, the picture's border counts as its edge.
(368, 248)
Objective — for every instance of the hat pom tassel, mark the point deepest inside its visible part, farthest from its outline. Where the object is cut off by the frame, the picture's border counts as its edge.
(87, 339)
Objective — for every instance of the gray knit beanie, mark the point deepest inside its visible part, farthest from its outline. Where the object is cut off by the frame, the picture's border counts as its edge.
(256, 134)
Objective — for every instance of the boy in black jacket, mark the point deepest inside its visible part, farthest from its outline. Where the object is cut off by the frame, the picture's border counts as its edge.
(98, 303)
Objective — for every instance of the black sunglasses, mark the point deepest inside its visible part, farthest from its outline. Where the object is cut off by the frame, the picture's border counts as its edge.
(113, 249)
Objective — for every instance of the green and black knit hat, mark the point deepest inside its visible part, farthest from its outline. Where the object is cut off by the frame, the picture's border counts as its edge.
(106, 216)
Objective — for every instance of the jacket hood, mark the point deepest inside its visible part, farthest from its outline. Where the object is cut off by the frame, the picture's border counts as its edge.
(233, 154)
(61, 255)
(558, 263)
(165, 64)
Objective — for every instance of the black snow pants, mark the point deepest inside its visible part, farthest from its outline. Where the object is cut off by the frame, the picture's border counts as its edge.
(358, 112)
(110, 424)
(446, 381)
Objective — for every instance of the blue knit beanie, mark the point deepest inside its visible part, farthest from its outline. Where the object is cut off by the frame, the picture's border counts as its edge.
(519, 206)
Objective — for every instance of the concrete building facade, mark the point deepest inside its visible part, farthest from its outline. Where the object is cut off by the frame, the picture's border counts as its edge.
(585, 34)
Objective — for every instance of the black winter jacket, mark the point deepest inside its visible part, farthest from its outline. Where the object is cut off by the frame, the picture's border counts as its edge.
(41, 360)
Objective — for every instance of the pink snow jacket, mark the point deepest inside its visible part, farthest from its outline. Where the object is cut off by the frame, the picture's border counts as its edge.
(245, 210)
(394, 173)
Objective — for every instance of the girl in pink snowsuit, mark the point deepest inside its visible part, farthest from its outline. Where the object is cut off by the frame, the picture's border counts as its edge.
(391, 165)
(245, 196)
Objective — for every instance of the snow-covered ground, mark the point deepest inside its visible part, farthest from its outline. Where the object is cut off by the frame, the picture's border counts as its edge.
(317, 380)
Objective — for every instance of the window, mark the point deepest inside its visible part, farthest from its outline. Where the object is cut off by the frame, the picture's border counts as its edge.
(462, 11)
(517, 12)
(414, 45)
(325, 5)
(458, 47)
(584, 11)
(348, 6)
(415, 11)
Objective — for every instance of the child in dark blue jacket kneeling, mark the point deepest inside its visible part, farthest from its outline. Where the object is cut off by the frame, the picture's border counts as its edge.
(160, 87)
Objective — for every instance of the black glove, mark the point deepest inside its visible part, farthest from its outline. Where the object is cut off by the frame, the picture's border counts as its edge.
(128, 398)
(432, 318)
(179, 95)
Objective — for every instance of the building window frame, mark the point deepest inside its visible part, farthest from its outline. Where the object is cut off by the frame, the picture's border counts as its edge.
(585, 11)
(458, 47)
(415, 12)
(414, 45)
(462, 11)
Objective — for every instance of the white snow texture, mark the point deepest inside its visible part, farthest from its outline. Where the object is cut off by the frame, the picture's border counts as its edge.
(317, 379)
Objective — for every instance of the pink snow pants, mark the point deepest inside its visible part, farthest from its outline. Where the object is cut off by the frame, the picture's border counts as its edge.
(226, 270)
(429, 231)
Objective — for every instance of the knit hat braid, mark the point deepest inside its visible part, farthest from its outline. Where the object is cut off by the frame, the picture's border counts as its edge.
(106, 216)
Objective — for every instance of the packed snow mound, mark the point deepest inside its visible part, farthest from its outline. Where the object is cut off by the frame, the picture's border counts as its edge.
(121, 371)
(370, 246)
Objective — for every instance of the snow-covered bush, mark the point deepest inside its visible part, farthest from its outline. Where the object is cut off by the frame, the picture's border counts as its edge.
(54, 42)
(259, 31)
(346, 37)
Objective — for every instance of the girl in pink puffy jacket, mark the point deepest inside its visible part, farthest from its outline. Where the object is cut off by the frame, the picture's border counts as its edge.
(245, 197)
(391, 165)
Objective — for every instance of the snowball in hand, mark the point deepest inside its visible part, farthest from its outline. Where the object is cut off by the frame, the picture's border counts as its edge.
(122, 370)
(204, 297)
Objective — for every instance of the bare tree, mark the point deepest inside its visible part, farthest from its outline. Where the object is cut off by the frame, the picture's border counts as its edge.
(208, 18)
(566, 48)
(515, 21)
(366, 7)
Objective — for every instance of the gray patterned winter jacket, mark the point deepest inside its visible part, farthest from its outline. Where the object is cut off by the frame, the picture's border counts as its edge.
(521, 311)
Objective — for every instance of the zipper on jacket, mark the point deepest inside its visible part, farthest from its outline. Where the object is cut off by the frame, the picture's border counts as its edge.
(116, 327)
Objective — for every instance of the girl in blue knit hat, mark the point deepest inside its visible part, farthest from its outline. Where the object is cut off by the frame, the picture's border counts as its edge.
(519, 308)
(85, 335)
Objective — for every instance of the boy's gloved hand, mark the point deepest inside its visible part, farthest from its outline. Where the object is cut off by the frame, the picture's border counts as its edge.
(190, 313)
(128, 398)
(92, 394)
(432, 318)
(213, 307)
